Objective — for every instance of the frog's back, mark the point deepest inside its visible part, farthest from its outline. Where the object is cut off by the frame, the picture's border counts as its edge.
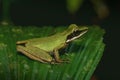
(48, 43)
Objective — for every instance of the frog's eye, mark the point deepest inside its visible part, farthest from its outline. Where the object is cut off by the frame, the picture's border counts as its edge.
(76, 34)
(72, 35)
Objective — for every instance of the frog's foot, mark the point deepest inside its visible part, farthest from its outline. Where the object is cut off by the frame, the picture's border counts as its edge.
(59, 61)
(62, 61)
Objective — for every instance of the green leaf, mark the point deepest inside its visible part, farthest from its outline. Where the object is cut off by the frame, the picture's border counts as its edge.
(84, 54)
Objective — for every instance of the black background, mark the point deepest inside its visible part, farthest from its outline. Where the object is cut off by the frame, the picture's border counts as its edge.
(54, 12)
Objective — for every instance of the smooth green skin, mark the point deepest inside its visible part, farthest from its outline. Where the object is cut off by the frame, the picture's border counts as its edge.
(40, 49)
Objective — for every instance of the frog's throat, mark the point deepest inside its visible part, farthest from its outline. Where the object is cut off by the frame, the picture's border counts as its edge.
(75, 37)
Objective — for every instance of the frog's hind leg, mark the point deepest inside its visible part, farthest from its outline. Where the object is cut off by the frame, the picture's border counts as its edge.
(21, 42)
(35, 54)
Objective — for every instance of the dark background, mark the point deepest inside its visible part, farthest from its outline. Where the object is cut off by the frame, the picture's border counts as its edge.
(54, 12)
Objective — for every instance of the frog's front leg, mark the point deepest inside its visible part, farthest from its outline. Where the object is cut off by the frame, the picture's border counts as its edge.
(56, 53)
(35, 53)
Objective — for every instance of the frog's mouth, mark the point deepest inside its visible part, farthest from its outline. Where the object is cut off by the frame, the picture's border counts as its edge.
(76, 34)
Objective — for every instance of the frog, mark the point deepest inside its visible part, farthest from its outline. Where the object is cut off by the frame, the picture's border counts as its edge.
(46, 49)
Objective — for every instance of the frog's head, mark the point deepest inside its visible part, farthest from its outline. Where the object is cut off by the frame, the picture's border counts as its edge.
(74, 32)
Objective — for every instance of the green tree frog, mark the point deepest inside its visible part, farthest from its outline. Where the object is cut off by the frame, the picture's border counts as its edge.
(46, 49)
